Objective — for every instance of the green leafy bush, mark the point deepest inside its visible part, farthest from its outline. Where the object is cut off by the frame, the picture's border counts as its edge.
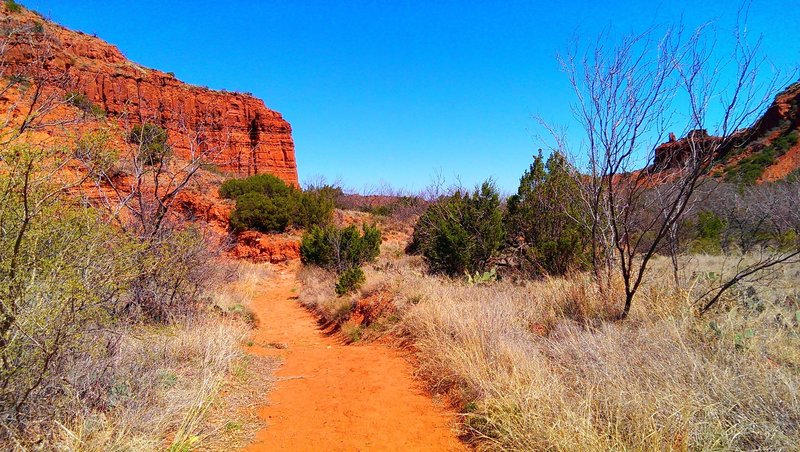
(543, 219)
(709, 228)
(461, 233)
(262, 213)
(349, 281)
(266, 203)
(313, 208)
(265, 184)
(340, 249)
(152, 142)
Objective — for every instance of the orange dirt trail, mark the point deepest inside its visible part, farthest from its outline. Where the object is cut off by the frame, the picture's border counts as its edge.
(334, 397)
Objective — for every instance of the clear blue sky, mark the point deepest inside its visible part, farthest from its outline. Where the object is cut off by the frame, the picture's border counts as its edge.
(397, 91)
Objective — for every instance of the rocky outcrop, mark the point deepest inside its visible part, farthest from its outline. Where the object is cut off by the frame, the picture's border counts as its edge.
(773, 141)
(237, 131)
(273, 248)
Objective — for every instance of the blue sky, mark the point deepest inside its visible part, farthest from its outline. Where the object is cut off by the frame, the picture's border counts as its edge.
(395, 92)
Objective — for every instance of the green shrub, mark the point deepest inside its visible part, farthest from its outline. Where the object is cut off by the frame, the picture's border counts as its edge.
(793, 177)
(340, 249)
(748, 170)
(266, 203)
(265, 184)
(152, 142)
(82, 101)
(462, 232)
(349, 281)
(262, 213)
(313, 208)
(709, 228)
(543, 219)
(12, 6)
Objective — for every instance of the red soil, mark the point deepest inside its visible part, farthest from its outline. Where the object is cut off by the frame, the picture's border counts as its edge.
(330, 396)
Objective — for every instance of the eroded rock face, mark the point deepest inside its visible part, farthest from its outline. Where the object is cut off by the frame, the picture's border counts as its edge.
(237, 131)
(780, 120)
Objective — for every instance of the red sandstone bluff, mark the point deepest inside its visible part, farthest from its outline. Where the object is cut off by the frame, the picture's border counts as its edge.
(238, 130)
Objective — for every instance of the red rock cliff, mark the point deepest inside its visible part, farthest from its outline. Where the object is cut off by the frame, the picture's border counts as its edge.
(241, 134)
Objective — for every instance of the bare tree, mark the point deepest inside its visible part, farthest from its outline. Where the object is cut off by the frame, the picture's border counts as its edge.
(761, 234)
(628, 98)
(141, 195)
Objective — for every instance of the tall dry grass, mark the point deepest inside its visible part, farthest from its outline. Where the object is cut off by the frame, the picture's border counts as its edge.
(166, 381)
(540, 365)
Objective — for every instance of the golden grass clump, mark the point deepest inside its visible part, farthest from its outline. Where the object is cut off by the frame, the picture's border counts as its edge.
(542, 365)
(182, 386)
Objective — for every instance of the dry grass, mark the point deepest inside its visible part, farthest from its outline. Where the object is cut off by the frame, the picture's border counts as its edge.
(539, 366)
(182, 387)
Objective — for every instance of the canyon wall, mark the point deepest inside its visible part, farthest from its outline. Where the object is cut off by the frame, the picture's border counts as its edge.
(237, 132)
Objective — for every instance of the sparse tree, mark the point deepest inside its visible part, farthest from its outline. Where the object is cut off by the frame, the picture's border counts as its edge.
(628, 98)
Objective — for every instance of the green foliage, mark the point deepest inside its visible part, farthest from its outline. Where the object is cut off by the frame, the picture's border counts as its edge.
(63, 276)
(18, 79)
(265, 184)
(265, 203)
(262, 213)
(350, 280)
(152, 142)
(793, 177)
(343, 250)
(313, 208)
(709, 233)
(543, 218)
(12, 6)
(95, 151)
(482, 278)
(70, 281)
(748, 170)
(81, 101)
(340, 249)
(461, 233)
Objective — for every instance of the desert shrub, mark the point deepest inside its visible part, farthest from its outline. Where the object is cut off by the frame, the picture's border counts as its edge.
(152, 142)
(462, 232)
(173, 272)
(65, 274)
(266, 203)
(12, 6)
(748, 170)
(754, 218)
(709, 233)
(313, 208)
(93, 149)
(82, 101)
(340, 248)
(350, 280)
(262, 213)
(793, 177)
(265, 184)
(543, 219)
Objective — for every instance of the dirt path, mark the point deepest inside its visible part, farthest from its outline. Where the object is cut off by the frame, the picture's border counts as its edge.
(332, 397)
